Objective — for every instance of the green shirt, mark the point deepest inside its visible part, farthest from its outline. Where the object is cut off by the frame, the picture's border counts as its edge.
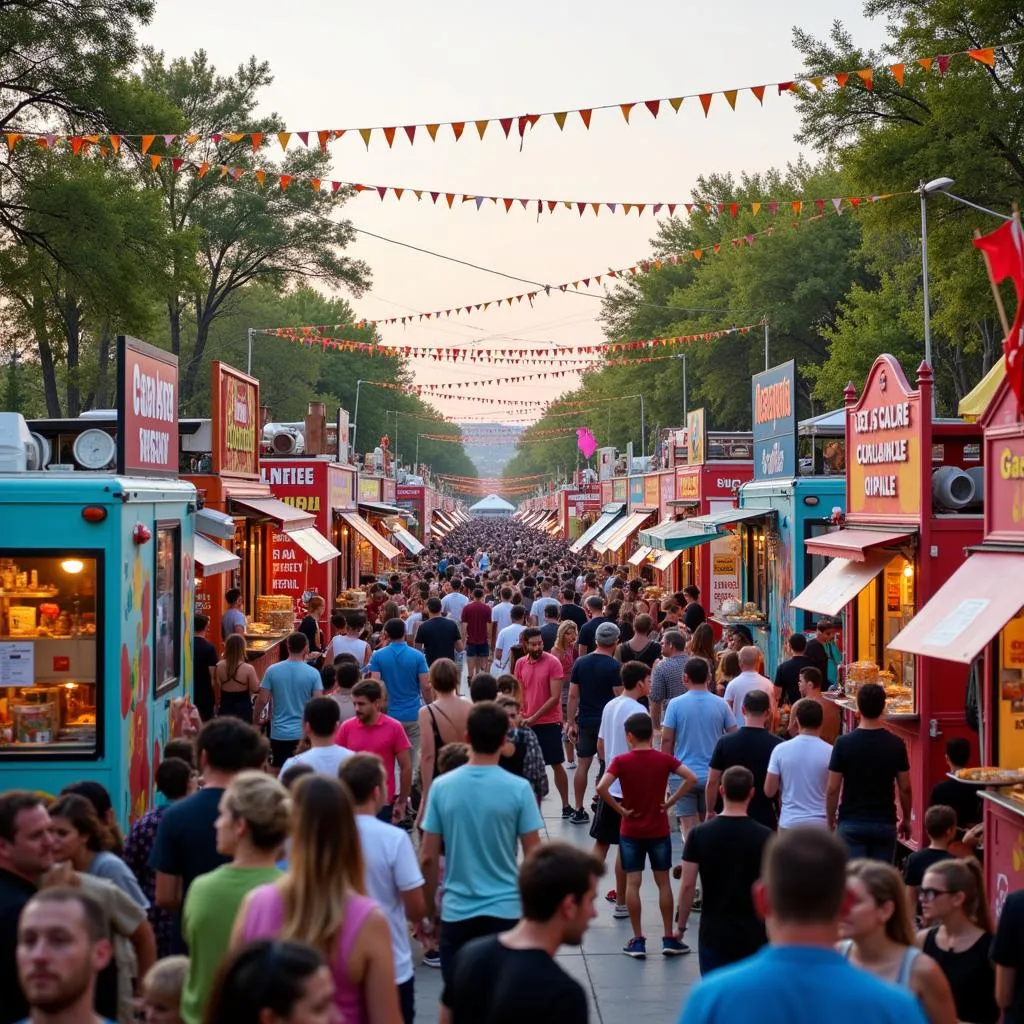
(208, 917)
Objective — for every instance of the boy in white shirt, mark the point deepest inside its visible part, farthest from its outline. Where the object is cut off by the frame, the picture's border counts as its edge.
(798, 769)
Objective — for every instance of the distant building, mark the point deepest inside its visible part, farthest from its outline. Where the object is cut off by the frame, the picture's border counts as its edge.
(492, 507)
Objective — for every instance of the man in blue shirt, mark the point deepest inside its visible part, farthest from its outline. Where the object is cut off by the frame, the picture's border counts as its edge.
(403, 671)
(799, 978)
(291, 684)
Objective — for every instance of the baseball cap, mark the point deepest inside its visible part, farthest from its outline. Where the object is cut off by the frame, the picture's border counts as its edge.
(606, 633)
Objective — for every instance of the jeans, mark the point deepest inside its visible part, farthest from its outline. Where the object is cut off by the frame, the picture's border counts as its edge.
(407, 1000)
(873, 840)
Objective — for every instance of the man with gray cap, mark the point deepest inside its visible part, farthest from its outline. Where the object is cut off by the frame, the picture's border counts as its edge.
(593, 682)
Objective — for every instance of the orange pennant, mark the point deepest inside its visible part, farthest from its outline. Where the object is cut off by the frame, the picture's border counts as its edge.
(257, 140)
(234, 137)
(926, 63)
(755, 208)
(260, 176)
(481, 126)
(842, 78)
(389, 134)
(147, 141)
(115, 143)
(284, 181)
(796, 206)
(705, 101)
(626, 108)
(432, 131)
(154, 160)
(730, 96)
(13, 138)
(282, 138)
(867, 76)
(458, 127)
(193, 138)
(986, 56)
(203, 168)
(398, 192)
(585, 117)
(897, 70)
(315, 182)
(697, 253)
(758, 91)
(365, 133)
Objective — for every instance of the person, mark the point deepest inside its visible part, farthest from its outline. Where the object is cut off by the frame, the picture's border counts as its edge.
(667, 678)
(522, 754)
(346, 675)
(940, 827)
(878, 937)
(309, 627)
(594, 608)
(63, 944)
(524, 982)
(728, 669)
(787, 675)
(640, 646)
(752, 746)
(438, 636)
(645, 833)
(284, 982)
(958, 935)
(693, 612)
(288, 686)
(234, 681)
(508, 639)
(866, 765)
(702, 645)
(376, 600)
(373, 732)
(454, 602)
(540, 676)
(501, 615)
(798, 771)
(593, 683)
(413, 618)
(251, 828)
(476, 619)
(537, 616)
(347, 638)
(478, 812)
(186, 837)
(749, 679)
(320, 720)
(569, 610)
(320, 902)
(441, 722)
(233, 620)
(809, 686)
(549, 626)
(801, 895)
(822, 651)
(161, 990)
(1008, 957)
(204, 664)
(393, 876)
(564, 649)
(727, 853)
(961, 796)
(99, 796)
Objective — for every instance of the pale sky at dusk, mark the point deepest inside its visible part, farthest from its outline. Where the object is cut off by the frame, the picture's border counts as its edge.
(350, 66)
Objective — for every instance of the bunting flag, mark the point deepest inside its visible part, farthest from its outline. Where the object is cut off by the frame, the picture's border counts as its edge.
(518, 125)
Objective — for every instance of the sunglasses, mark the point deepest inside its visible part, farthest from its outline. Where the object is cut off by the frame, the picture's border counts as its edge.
(930, 894)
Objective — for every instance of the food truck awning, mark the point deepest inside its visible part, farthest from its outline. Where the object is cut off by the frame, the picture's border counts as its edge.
(975, 402)
(839, 583)
(855, 544)
(614, 540)
(676, 536)
(407, 540)
(665, 559)
(212, 558)
(315, 544)
(714, 522)
(639, 555)
(609, 514)
(441, 524)
(967, 611)
(367, 532)
(282, 515)
(214, 524)
(379, 508)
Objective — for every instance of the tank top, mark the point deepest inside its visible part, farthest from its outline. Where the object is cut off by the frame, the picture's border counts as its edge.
(971, 976)
(910, 954)
(265, 918)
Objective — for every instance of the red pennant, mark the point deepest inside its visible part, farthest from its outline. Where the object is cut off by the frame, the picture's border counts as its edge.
(943, 61)
(506, 125)
(389, 134)
(705, 101)
(585, 117)
(653, 106)
(410, 131)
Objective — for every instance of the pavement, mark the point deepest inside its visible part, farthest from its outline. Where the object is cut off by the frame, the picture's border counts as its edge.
(619, 989)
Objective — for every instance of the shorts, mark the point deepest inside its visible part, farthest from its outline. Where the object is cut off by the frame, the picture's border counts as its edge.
(478, 650)
(281, 750)
(635, 852)
(604, 828)
(455, 935)
(693, 804)
(549, 736)
(586, 742)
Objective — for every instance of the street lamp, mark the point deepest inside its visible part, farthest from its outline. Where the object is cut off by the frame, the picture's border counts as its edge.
(925, 190)
(355, 414)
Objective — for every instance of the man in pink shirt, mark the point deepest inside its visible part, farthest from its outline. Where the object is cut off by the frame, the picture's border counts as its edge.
(373, 732)
(540, 676)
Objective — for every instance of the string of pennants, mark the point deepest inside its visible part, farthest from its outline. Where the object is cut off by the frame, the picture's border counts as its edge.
(520, 124)
(496, 480)
(501, 438)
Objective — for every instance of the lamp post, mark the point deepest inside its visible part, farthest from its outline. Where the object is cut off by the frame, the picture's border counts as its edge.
(926, 189)
(355, 415)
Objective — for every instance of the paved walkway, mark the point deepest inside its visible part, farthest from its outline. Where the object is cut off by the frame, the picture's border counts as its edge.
(620, 990)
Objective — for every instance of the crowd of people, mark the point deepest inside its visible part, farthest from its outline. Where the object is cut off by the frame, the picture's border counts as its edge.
(352, 813)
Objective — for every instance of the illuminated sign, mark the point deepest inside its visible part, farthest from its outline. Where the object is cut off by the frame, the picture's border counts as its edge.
(773, 398)
(236, 422)
(147, 409)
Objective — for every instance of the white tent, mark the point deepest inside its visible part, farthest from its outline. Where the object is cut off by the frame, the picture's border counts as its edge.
(492, 507)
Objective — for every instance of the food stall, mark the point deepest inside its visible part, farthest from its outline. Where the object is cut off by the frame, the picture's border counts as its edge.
(96, 578)
(912, 512)
(611, 513)
(615, 543)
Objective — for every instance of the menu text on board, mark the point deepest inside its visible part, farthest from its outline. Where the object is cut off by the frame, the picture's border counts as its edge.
(236, 416)
(147, 393)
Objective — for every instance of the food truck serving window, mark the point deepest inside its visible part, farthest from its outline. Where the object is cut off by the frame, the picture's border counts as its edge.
(167, 606)
(50, 654)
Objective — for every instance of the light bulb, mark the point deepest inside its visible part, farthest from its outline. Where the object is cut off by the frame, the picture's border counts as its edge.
(72, 566)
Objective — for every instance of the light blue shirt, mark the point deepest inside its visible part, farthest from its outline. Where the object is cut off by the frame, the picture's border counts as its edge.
(798, 985)
(400, 666)
(480, 811)
(485, 562)
(291, 684)
(699, 720)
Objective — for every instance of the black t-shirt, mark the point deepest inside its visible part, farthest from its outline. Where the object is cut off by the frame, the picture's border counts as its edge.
(819, 659)
(573, 613)
(648, 655)
(787, 676)
(499, 985)
(549, 632)
(438, 637)
(310, 629)
(1008, 951)
(204, 658)
(597, 675)
(586, 637)
(693, 616)
(625, 632)
(963, 798)
(869, 761)
(728, 852)
(920, 862)
(752, 748)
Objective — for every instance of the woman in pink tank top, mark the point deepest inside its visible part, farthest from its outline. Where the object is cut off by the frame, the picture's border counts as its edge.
(321, 902)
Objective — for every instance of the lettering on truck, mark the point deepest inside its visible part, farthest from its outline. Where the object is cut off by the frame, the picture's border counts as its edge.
(298, 476)
(153, 398)
(773, 402)
(895, 416)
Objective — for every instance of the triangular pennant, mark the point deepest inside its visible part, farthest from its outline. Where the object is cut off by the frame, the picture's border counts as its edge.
(382, 191)
(730, 97)
(154, 160)
(838, 204)
(458, 127)
(672, 209)
(257, 140)
(481, 126)
(13, 138)
(560, 119)
(315, 183)
(926, 62)
(234, 137)
(508, 204)
(260, 176)
(282, 138)
(796, 206)
(986, 56)
(943, 62)
(734, 208)
(398, 192)
(304, 137)
(147, 141)
(115, 143)
(842, 78)
(818, 82)
(168, 139)
(820, 204)
(75, 142)
(418, 193)
(506, 125)
(585, 117)
(284, 181)
(705, 101)
(203, 168)
(676, 102)
(479, 200)
(450, 196)
(697, 253)
(653, 106)
(897, 72)
(626, 108)
(191, 138)
(365, 133)
(755, 208)
(867, 76)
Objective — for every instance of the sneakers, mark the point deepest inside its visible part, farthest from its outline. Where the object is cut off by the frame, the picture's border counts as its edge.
(620, 912)
(579, 817)
(610, 896)
(697, 904)
(570, 766)
(674, 947)
(567, 812)
(432, 958)
(636, 947)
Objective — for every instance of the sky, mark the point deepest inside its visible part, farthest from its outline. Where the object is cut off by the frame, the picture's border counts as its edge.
(398, 63)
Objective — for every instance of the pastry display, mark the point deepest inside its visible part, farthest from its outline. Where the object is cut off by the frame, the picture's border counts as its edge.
(274, 611)
(988, 776)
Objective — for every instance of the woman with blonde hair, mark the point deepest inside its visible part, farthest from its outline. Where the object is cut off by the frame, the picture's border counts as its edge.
(959, 935)
(322, 902)
(234, 681)
(878, 936)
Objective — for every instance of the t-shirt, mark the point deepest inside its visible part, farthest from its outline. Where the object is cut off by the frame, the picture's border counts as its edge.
(480, 811)
(391, 869)
(869, 761)
(573, 613)
(962, 797)
(791, 984)
(802, 767)
(519, 985)
(204, 658)
(1008, 951)
(728, 853)
(643, 776)
(787, 677)
(535, 678)
(323, 760)
(597, 676)
(230, 620)
(438, 637)
(113, 869)
(386, 738)
(751, 747)
(452, 604)
(208, 917)
(738, 688)
(345, 704)
(538, 606)
(309, 627)
(667, 678)
(613, 732)
(15, 892)
(501, 616)
(292, 684)
(587, 636)
(549, 634)
(505, 641)
(477, 616)
(411, 622)
(699, 719)
(400, 666)
(922, 861)
(342, 644)
(693, 616)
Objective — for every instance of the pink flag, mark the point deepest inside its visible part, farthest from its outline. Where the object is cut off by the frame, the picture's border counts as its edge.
(586, 442)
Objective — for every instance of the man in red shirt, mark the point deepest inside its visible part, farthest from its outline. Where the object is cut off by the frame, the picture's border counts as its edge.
(540, 676)
(645, 831)
(476, 616)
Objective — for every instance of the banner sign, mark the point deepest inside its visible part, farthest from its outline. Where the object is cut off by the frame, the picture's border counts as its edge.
(773, 398)
(236, 422)
(147, 409)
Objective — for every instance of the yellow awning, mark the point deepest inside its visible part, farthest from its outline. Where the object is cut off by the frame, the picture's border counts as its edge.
(975, 402)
